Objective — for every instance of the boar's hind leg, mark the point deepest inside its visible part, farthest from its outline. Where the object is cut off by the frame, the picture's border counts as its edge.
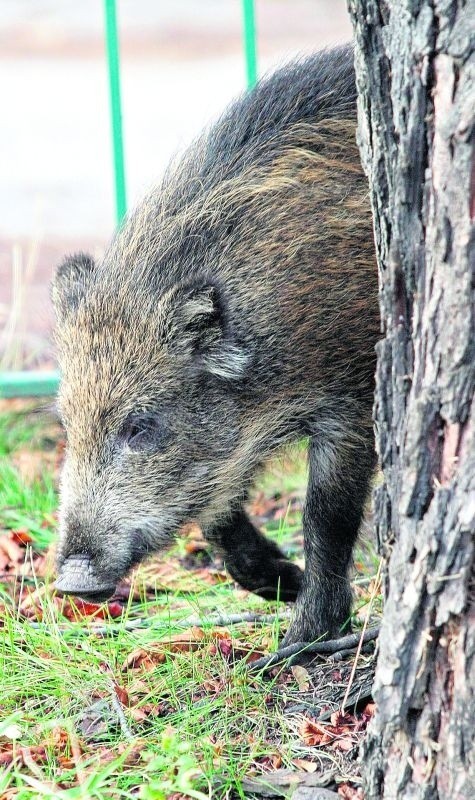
(254, 561)
(332, 515)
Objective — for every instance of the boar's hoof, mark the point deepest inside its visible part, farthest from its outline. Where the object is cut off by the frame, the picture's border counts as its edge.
(77, 577)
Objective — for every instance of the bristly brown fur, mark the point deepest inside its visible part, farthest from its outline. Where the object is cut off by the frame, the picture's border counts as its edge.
(235, 310)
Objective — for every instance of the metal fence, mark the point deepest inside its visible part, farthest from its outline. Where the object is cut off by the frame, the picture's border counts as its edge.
(37, 383)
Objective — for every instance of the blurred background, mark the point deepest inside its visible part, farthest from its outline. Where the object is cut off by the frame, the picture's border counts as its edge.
(182, 62)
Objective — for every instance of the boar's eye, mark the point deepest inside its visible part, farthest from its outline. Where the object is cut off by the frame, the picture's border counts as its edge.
(143, 432)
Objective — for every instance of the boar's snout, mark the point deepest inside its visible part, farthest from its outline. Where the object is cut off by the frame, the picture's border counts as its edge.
(78, 577)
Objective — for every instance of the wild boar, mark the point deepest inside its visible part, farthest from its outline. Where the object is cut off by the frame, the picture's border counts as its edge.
(234, 311)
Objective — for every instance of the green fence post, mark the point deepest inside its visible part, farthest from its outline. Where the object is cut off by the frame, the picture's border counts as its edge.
(112, 49)
(28, 384)
(249, 30)
(38, 383)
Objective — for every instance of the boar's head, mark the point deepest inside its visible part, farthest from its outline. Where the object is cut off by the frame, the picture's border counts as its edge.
(151, 400)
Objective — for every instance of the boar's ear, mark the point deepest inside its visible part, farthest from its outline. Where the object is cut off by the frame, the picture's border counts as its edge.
(198, 322)
(70, 282)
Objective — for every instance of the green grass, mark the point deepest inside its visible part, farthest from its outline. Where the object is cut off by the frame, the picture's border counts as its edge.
(211, 721)
(32, 427)
(214, 708)
(27, 506)
(66, 673)
(16, 430)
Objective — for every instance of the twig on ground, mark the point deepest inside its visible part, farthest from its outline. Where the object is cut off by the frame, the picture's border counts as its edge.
(120, 712)
(146, 622)
(342, 654)
(234, 619)
(315, 648)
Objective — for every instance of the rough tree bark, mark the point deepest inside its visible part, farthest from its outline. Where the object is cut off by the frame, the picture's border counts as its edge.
(415, 66)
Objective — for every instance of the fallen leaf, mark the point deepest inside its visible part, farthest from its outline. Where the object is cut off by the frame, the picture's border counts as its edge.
(344, 744)
(11, 553)
(211, 576)
(272, 761)
(368, 711)
(134, 754)
(312, 732)
(140, 713)
(122, 694)
(161, 709)
(225, 646)
(156, 651)
(307, 766)
(338, 737)
(338, 719)
(66, 754)
(186, 640)
(192, 532)
(77, 607)
(12, 731)
(214, 685)
(10, 754)
(302, 677)
(349, 792)
(21, 536)
(145, 659)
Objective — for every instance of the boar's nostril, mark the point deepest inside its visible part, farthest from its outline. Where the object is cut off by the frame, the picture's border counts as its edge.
(77, 576)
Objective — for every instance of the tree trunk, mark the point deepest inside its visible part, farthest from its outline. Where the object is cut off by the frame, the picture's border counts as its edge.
(415, 67)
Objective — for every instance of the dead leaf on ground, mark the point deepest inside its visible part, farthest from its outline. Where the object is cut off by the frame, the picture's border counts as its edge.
(368, 711)
(12, 554)
(340, 737)
(33, 603)
(20, 755)
(66, 752)
(155, 653)
(122, 694)
(74, 608)
(141, 713)
(11, 732)
(307, 766)
(21, 536)
(127, 591)
(216, 641)
(194, 541)
(139, 687)
(18, 562)
(342, 733)
(349, 792)
(233, 649)
(313, 733)
(302, 677)
(144, 659)
(271, 761)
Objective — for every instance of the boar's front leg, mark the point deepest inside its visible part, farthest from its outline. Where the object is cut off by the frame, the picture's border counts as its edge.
(254, 561)
(332, 515)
